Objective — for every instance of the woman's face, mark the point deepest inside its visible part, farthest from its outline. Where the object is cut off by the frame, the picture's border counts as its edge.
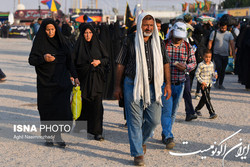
(50, 30)
(88, 35)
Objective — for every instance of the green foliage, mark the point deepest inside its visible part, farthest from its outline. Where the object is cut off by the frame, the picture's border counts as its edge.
(235, 3)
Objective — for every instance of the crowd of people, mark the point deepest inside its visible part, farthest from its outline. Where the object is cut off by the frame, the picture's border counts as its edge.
(149, 68)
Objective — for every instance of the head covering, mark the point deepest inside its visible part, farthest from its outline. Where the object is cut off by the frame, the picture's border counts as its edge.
(66, 30)
(43, 44)
(141, 83)
(84, 51)
(91, 78)
(180, 30)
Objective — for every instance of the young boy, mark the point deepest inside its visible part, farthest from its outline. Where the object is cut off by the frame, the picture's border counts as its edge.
(204, 74)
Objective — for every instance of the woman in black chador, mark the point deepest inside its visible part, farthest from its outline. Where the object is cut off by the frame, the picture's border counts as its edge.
(52, 60)
(90, 59)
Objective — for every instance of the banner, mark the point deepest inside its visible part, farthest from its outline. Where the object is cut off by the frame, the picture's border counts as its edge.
(88, 12)
(19, 31)
(239, 12)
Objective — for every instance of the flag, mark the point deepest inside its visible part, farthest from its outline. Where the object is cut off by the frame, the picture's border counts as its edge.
(52, 4)
(184, 6)
(207, 5)
(129, 19)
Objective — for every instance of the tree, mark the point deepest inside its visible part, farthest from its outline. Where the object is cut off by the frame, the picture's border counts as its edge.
(235, 3)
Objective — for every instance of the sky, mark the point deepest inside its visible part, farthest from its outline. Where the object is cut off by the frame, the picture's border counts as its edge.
(106, 5)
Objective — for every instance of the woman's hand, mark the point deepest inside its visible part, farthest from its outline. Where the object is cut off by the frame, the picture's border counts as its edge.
(49, 58)
(95, 63)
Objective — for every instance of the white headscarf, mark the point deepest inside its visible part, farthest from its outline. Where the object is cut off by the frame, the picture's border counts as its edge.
(141, 83)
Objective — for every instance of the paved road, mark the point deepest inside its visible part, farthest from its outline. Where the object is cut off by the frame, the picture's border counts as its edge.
(18, 105)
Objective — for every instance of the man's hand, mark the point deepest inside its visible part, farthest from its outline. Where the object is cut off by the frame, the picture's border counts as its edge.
(203, 85)
(95, 63)
(49, 58)
(118, 94)
(181, 66)
(167, 91)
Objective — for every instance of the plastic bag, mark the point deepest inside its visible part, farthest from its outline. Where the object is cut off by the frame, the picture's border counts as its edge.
(76, 103)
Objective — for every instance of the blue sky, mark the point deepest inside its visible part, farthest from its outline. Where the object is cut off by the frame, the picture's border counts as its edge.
(106, 5)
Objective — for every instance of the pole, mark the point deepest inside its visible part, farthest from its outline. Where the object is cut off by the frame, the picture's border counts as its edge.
(80, 4)
(96, 4)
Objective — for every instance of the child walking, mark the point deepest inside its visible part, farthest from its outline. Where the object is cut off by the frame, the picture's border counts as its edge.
(204, 74)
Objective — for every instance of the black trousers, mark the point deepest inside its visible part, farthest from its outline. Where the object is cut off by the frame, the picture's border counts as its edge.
(92, 112)
(205, 99)
(187, 97)
(221, 64)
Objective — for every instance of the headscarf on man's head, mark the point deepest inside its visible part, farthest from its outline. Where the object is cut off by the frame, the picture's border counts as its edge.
(141, 83)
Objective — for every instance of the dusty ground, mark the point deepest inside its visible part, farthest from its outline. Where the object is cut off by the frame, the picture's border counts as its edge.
(18, 104)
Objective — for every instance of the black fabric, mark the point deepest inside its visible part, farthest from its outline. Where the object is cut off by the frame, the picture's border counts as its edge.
(187, 97)
(105, 37)
(92, 111)
(245, 59)
(91, 78)
(53, 78)
(70, 38)
(205, 99)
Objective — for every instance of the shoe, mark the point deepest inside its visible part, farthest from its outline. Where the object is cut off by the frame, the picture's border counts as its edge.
(198, 112)
(197, 97)
(144, 148)
(213, 116)
(3, 79)
(49, 143)
(190, 117)
(61, 144)
(221, 87)
(59, 141)
(99, 138)
(139, 161)
(169, 143)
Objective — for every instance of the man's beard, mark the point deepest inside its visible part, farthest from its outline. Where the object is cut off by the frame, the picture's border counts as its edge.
(147, 34)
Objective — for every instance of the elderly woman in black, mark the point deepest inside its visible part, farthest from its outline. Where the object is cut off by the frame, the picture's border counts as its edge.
(90, 59)
(52, 60)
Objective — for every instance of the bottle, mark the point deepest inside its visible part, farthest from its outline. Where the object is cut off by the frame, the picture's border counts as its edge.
(213, 77)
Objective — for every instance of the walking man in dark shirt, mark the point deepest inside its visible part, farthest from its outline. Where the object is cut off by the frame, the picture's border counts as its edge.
(144, 64)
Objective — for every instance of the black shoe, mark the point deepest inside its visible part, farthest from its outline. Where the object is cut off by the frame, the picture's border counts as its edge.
(213, 116)
(169, 143)
(59, 141)
(49, 143)
(99, 137)
(221, 87)
(198, 112)
(190, 117)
